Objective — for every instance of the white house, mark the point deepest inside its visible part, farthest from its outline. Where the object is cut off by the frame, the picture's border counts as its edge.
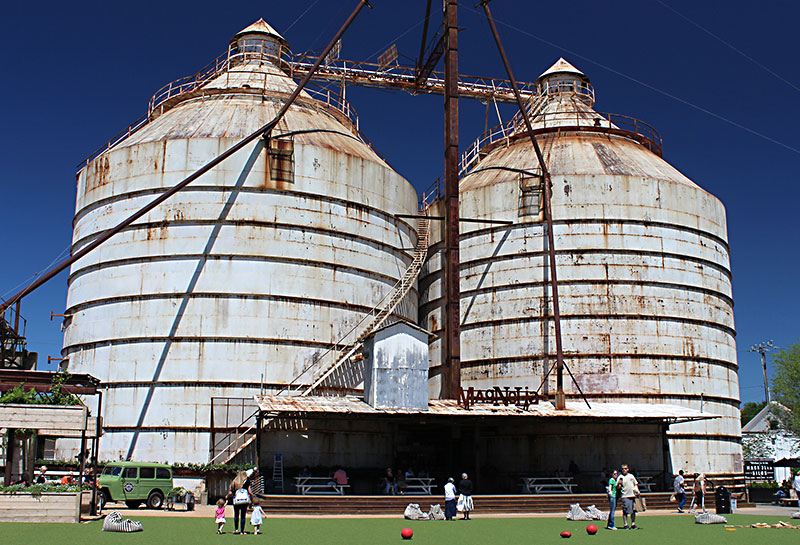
(763, 438)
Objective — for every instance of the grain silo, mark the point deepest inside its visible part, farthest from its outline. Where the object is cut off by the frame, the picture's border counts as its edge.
(239, 281)
(643, 274)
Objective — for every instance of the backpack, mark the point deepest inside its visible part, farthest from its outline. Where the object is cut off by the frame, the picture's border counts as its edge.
(242, 496)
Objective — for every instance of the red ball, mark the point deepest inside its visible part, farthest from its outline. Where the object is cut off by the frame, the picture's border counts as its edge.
(406, 533)
(591, 529)
(566, 534)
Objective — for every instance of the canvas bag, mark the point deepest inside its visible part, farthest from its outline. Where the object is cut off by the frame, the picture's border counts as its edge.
(639, 504)
(242, 496)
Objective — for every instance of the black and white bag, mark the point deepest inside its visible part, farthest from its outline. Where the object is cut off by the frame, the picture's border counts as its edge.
(241, 497)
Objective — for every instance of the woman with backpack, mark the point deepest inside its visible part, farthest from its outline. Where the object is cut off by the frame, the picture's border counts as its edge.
(241, 495)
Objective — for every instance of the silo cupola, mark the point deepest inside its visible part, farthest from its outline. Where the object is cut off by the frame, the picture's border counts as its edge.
(258, 40)
(564, 79)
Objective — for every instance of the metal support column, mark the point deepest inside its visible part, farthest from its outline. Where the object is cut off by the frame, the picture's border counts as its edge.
(452, 277)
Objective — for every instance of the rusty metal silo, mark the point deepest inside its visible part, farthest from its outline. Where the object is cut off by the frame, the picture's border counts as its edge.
(643, 271)
(238, 281)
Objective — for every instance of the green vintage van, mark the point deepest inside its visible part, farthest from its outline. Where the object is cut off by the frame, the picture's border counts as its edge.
(134, 483)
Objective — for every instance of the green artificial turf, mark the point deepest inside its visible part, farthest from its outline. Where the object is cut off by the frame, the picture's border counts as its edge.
(489, 531)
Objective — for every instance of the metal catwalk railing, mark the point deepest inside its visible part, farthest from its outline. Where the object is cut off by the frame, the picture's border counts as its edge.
(337, 71)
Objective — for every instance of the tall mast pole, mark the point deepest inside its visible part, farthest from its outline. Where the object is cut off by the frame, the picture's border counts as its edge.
(452, 339)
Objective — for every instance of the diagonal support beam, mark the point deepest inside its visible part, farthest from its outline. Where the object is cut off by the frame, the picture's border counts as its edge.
(548, 214)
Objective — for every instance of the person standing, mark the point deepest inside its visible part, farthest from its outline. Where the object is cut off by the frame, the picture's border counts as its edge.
(629, 489)
(465, 495)
(219, 515)
(242, 494)
(389, 481)
(611, 490)
(699, 489)
(449, 499)
(257, 517)
(679, 490)
(796, 484)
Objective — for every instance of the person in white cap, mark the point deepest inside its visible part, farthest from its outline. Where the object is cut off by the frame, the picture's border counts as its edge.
(41, 479)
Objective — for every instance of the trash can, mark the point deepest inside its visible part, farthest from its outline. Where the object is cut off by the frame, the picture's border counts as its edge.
(189, 501)
(723, 500)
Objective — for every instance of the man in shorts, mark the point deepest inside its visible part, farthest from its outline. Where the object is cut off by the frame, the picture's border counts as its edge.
(629, 489)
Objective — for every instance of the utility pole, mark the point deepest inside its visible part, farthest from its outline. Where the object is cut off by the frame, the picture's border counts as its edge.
(762, 348)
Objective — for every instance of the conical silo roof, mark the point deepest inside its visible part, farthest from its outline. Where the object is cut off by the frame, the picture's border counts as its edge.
(561, 66)
(260, 27)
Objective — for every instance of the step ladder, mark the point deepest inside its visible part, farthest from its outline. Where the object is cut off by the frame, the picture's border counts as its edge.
(277, 472)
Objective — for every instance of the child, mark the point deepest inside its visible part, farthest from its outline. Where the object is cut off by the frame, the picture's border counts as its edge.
(257, 517)
(219, 515)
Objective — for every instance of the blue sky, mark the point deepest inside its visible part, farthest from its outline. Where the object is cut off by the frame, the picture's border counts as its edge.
(76, 73)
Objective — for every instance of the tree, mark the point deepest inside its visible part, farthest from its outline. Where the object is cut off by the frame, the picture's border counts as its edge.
(786, 386)
(751, 409)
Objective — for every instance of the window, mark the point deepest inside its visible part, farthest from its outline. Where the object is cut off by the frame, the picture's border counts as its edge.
(163, 473)
(530, 198)
(130, 473)
(112, 471)
(281, 159)
(147, 473)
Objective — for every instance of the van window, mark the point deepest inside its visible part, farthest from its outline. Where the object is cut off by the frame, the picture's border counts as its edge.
(147, 473)
(162, 473)
(116, 470)
(129, 473)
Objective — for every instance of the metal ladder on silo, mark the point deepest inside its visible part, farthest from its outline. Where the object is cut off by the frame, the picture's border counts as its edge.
(381, 311)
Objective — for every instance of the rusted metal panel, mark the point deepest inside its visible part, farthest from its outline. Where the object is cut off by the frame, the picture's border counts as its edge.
(396, 367)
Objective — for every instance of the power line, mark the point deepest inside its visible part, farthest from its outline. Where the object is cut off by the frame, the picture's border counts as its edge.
(739, 51)
(647, 85)
(301, 16)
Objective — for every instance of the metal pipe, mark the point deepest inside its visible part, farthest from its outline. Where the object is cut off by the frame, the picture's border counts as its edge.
(452, 273)
(192, 177)
(424, 38)
(560, 398)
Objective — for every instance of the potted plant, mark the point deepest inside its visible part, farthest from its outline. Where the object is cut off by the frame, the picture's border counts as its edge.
(763, 492)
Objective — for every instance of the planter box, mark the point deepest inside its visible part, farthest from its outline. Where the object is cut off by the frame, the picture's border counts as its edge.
(761, 495)
(47, 507)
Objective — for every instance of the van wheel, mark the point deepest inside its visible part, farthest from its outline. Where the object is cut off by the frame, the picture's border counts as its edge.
(133, 504)
(102, 499)
(155, 500)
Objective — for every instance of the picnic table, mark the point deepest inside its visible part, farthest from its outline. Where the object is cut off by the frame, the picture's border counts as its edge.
(548, 485)
(419, 485)
(646, 483)
(319, 485)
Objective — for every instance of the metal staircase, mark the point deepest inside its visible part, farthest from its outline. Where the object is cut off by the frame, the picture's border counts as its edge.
(340, 353)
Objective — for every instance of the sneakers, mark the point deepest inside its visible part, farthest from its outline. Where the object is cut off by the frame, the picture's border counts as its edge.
(611, 528)
(634, 527)
(625, 527)
(680, 510)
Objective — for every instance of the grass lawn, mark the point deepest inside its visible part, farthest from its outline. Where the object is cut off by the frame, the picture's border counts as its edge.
(495, 531)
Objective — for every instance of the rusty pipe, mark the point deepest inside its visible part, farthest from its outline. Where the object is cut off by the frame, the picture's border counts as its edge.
(548, 214)
(192, 177)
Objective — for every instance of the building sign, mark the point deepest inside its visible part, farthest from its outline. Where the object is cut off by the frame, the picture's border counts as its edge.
(759, 471)
(517, 396)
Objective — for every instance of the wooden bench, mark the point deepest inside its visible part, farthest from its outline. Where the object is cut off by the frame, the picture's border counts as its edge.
(419, 485)
(548, 485)
(789, 502)
(319, 485)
